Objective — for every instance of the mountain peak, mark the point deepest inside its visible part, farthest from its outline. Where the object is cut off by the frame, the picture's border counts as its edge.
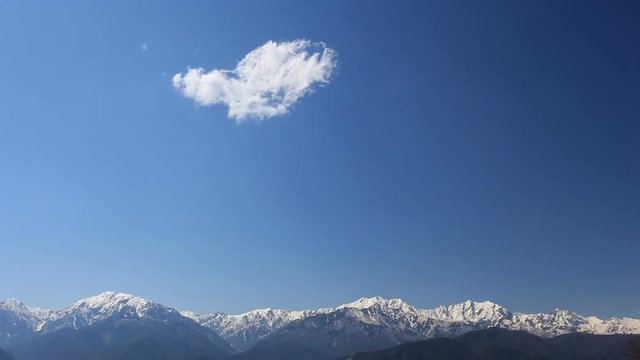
(484, 303)
(473, 305)
(111, 302)
(108, 305)
(473, 311)
(262, 311)
(369, 302)
(11, 303)
(562, 311)
(17, 306)
(110, 299)
(33, 317)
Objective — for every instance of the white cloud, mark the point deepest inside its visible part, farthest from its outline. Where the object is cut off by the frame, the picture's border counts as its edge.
(144, 47)
(265, 83)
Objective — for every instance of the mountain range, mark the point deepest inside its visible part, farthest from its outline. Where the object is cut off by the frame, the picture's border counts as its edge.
(245, 330)
(122, 326)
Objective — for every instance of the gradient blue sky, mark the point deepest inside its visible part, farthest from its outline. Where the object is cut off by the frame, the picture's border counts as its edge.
(483, 150)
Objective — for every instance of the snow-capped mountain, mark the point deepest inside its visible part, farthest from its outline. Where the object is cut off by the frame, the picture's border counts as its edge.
(19, 321)
(393, 317)
(469, 311)
(108, 305)
(31, 315)
(245, 330)
(108, 323)
(332, 335)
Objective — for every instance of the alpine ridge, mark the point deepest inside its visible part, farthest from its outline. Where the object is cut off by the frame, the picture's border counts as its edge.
(114, 325)
(245, 330)
(394, 317)
(86, 312)
(18, 322)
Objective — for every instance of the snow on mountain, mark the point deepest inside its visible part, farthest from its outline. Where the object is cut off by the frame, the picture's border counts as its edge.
(470, 311)
(244, 330)
(111, 323)
(32, 315)
(18, 321)
(332, 335)
(377, 301)
(616, 325)
(108, 305)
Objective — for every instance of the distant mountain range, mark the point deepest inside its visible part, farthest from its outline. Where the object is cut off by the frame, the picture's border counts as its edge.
(121, 326)
(245, 330)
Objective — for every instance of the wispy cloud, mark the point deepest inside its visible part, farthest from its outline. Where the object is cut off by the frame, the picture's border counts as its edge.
(144, 47)
(267, 82)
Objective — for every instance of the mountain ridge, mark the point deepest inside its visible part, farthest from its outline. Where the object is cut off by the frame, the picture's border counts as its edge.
(88, 311)
(244, 330)
(97, 324)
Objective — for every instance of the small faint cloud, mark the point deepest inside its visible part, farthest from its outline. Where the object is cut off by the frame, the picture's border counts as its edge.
(267, 82)
(144, 47)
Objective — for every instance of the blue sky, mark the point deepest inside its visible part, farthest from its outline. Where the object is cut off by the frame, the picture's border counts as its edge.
(459, 151)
